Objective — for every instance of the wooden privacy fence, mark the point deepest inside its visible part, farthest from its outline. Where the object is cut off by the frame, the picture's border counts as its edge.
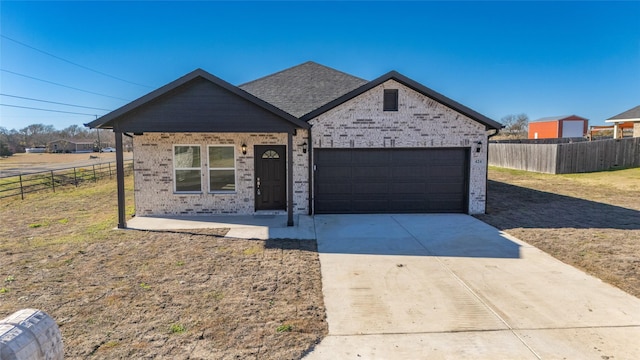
(19, 185)
(570, 158)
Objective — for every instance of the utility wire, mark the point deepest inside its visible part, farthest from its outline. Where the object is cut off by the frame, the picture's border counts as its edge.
(66, 86)
(58, 111)
(72, 63)
(53, 102)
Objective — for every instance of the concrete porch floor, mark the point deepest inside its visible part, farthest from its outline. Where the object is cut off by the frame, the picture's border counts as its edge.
(240, 226)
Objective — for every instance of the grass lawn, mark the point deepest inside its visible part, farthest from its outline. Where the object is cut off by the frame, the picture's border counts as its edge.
(591, 221)
(134, 294)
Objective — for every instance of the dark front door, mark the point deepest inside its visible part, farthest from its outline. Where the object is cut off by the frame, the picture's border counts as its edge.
(271, 177)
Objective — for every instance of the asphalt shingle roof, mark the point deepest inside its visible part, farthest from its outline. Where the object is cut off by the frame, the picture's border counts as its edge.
(633, 113)
(303, 88)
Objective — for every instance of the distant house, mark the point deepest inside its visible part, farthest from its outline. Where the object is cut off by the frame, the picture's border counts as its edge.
(70, 146)
(626, 119)
(566, 126)
(306, 140)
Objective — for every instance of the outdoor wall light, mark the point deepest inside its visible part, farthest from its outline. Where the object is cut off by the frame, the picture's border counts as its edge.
(304, 147)
(478, 146)
(244, 149)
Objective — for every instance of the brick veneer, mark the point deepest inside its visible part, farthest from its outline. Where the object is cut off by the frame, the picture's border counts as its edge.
(358, 123)
(419, 122)
(153, 163)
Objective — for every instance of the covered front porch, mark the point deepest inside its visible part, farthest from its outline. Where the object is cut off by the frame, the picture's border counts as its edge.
(197, 113)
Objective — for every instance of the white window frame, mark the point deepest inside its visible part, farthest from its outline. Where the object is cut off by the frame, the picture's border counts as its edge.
(175, 178)
(235, 172)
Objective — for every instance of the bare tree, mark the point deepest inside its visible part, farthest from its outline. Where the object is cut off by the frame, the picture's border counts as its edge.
(74, 132)
(515, 126)
(12, 139)
(37, 135)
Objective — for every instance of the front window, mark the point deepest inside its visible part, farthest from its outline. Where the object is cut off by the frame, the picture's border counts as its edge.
(222, 169)
(187, 168)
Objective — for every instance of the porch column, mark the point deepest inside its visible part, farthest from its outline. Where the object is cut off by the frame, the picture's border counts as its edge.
(616, 129)
(290, 178)
(122, 222)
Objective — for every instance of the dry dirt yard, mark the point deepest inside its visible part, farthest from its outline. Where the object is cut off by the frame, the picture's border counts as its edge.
(26, 163)
(124, 294)
(591, 221)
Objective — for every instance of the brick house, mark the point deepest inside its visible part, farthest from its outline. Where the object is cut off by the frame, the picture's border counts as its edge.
(308, 139)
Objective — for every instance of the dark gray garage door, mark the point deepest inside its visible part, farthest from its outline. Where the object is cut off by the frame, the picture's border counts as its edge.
(391, 180)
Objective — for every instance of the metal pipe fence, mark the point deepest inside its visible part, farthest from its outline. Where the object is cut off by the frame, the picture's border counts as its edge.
(51, 180)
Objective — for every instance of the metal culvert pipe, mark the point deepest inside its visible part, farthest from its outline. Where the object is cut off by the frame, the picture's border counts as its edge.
(30, 334)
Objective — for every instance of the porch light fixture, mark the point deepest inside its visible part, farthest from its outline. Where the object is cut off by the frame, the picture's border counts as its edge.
(478, 146)
(304, 147)
(244, 149)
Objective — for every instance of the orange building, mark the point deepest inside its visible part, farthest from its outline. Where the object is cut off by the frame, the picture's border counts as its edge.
(558, 127)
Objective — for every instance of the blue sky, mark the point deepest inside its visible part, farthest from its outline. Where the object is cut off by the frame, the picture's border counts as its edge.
(499, 58)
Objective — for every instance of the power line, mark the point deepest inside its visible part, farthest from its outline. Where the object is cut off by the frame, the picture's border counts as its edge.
(66, 86)
(73, 63)
(50, 110)
(52, 102)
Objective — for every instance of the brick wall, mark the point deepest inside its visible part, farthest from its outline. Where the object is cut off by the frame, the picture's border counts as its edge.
(419, 122)
(153, 163)
(636, 129)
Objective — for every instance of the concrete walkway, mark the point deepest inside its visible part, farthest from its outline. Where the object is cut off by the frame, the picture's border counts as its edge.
(444, 287)
(452, 287)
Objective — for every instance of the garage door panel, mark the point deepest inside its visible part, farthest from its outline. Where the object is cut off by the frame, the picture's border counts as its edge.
(408, 171)
(370, 171)
(335, 172)
(446, 205)
(447, 170)
(372, 189)
(407, 206)
(391, 180)
(444, 188)
(334, 189)
(409, 157)
(371, 157)
(335, 206)
(371, 205)
(407, 188)
(439, 155)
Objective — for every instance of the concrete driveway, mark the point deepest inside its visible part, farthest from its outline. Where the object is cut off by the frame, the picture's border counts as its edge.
(453, 287)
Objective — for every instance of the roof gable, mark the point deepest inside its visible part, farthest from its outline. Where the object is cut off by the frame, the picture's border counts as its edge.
(631, 114)
(198, 102)
(560, 117)
(488, 123)
(303, 88)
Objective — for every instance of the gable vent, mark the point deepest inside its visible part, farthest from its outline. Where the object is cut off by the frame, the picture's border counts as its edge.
(390, 100)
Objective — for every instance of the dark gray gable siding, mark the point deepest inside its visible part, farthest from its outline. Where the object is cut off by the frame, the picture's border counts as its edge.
(200, 106)
(198, 102)
(454, 105)
(303, 88)
(633, 113)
